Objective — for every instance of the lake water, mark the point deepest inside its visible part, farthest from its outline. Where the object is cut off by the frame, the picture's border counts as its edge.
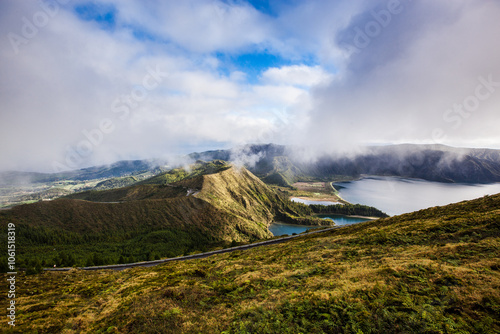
(344, 220)
(278, 229)
(398, 195)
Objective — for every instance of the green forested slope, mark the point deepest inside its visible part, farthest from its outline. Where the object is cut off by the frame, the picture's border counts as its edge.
(212, 208)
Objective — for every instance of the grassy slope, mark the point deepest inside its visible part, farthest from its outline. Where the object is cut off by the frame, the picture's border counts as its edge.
(165, 185)
(247, 193)
(432, 271)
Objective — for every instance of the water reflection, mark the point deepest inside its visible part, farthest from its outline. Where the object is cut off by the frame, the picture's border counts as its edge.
(278, 229)
(398, 195)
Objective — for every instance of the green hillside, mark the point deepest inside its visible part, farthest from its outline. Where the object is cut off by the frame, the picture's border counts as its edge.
(215, 205)
(160, 186)
(116, 182)
(432, 271)
(197, 169)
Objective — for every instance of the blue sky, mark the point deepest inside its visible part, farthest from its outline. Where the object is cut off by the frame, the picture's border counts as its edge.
(252, 59)
(104, 14)
(91, 82)
(251, 63)
(265, 6)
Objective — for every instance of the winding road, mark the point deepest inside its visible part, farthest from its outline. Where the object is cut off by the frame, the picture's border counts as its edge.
(194, 256)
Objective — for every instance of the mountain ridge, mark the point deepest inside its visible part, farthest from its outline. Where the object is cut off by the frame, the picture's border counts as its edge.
(275, 165)
(208, 209)
(433, 162)
(283, 165)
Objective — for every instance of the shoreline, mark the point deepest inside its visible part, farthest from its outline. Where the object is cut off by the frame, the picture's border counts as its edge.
(353, 216)
(300, 225)
(313, 199)
(319, 191)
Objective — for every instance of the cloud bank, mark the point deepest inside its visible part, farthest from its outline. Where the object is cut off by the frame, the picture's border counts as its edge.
(425, 72)
(85, 83)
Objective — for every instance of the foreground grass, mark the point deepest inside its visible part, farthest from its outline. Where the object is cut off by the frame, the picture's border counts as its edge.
(433, 271)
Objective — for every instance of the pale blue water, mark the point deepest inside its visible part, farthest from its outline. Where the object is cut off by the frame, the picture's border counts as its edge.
(398, 195)
(278, 229)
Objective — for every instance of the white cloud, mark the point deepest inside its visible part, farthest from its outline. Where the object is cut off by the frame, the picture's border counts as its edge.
(399, 87)
(198, 25)
(297, 75)
(65, 79)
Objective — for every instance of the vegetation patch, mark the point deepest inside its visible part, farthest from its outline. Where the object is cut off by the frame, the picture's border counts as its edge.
(357, 279)
(180, 212)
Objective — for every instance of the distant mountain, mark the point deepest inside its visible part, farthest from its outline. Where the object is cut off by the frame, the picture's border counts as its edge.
(117, 169)
(429, 162)
(283, 166)
(212, 204)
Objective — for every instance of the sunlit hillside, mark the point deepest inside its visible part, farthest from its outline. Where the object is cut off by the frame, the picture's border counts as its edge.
(432, 271)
